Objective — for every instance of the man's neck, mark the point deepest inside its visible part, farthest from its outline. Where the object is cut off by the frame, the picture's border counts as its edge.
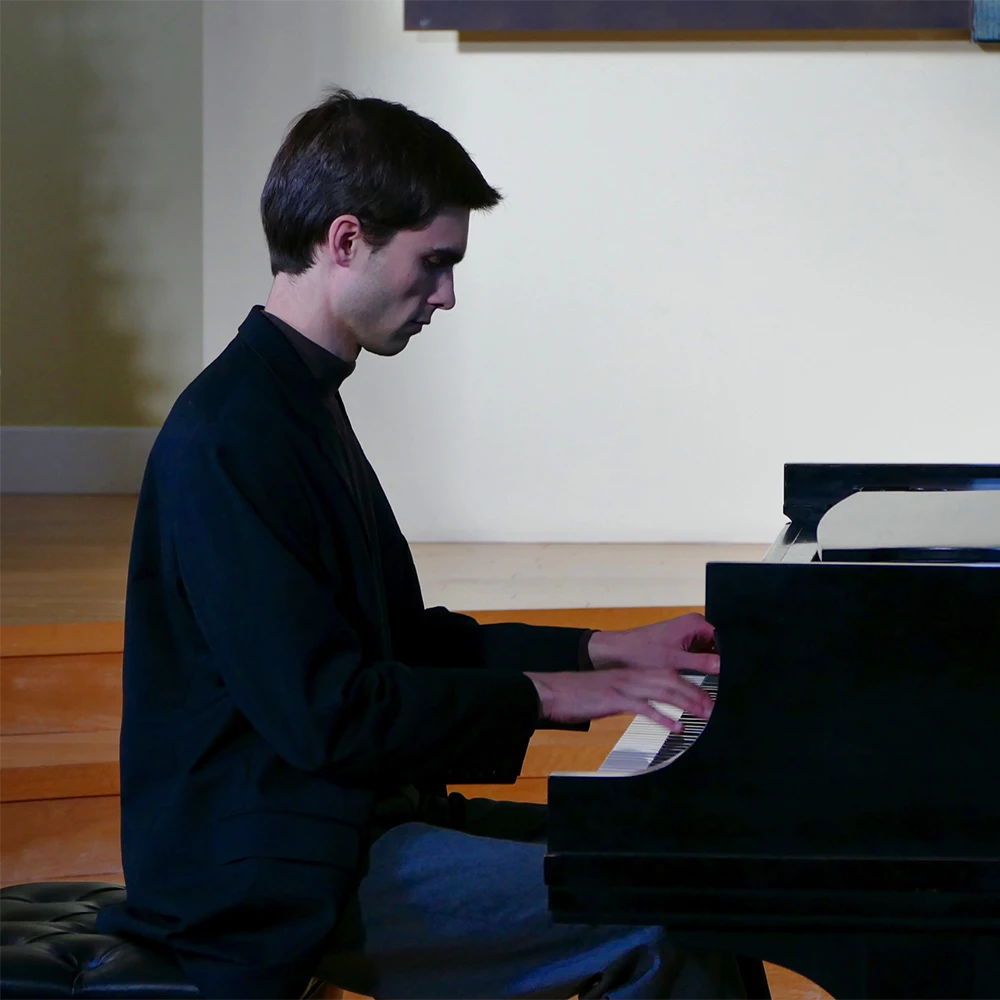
(298, 305)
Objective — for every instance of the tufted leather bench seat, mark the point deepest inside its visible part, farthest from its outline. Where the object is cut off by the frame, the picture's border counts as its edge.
(49, 947)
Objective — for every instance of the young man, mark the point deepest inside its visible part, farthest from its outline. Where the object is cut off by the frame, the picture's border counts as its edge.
(292, 712)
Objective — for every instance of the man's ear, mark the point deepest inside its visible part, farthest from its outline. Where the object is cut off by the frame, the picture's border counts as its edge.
(343, 240)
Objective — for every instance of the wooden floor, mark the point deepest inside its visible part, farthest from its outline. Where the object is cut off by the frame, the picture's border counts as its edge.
(63, 559)
(62, 589)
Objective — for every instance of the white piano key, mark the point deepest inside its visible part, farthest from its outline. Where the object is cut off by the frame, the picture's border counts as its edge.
(640, 743)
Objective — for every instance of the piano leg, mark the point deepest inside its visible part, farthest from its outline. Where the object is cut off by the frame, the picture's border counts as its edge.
(754, 978)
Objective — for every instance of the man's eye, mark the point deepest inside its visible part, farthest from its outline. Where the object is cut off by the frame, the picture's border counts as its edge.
(433, 263)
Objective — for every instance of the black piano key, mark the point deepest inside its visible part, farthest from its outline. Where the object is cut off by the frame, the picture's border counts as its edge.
(668, 751)
(676, 743)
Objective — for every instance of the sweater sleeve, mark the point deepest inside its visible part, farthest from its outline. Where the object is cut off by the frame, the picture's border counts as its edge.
(439, 637)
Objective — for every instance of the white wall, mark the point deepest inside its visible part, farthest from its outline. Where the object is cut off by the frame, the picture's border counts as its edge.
(712, 259)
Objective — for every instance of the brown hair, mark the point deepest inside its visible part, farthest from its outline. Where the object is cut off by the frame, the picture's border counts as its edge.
(362, 156)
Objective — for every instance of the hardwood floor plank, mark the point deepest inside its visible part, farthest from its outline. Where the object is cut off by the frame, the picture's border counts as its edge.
(523, 790)
(64, 558)
(115, 878)
(62, 638)
(787, 985)
(596, 618)
(58, 838)
(78, 692)
(58, 765)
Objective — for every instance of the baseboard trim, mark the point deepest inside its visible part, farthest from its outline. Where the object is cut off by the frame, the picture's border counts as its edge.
(73, 459)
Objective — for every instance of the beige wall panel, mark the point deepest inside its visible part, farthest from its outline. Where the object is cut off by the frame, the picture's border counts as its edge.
(101, 244)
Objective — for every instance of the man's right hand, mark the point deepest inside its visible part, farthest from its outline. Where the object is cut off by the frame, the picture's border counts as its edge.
(581, 696)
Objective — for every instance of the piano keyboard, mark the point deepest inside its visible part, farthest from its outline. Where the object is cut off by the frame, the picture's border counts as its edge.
(646, 743)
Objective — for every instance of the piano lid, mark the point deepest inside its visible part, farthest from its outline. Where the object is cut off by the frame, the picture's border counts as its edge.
(957, 526)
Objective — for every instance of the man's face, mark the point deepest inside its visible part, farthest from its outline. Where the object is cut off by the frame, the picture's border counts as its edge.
(392, 293)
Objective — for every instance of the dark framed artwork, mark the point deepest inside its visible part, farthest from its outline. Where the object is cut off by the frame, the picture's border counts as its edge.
(978, 19)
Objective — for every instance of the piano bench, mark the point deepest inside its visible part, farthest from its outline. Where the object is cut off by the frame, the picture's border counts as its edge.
(50, 947)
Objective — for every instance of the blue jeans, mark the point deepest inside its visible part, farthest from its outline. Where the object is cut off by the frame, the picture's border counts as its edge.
(463, 913)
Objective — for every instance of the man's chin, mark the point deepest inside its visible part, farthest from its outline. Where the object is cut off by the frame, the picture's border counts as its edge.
(389, 348)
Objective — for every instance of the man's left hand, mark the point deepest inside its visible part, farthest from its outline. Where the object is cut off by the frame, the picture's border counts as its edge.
(684, 643)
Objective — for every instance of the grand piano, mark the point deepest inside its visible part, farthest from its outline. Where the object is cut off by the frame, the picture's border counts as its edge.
(839, 814)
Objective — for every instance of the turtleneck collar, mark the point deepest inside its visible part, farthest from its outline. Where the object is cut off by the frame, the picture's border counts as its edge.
(324, 366)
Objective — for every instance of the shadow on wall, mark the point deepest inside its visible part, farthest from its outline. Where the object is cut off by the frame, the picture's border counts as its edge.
(71, 334)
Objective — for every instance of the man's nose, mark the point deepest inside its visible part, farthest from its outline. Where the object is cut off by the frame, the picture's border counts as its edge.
(444, 294)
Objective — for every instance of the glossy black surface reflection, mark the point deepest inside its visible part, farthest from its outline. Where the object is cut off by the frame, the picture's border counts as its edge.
(952, 526)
